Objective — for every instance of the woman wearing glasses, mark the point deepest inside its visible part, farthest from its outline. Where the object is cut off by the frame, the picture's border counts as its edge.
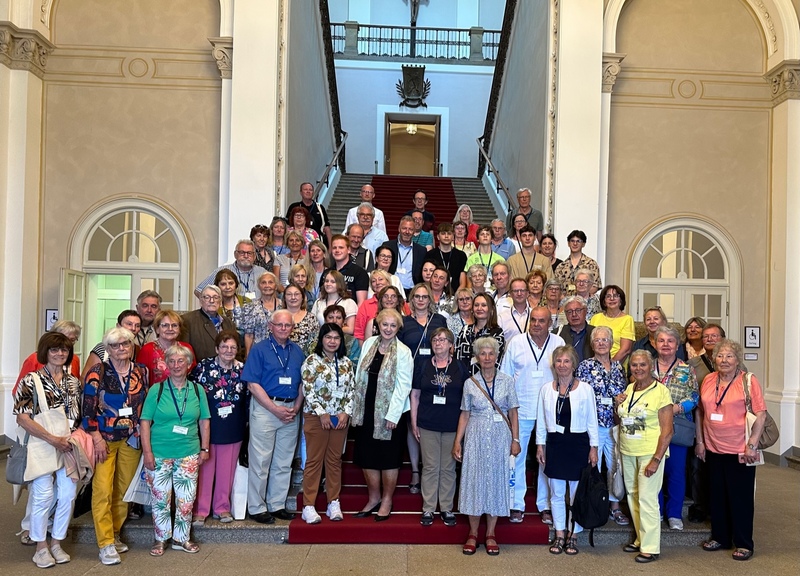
(168, 325)
(577, 260)
(612, 301)
(202, 326)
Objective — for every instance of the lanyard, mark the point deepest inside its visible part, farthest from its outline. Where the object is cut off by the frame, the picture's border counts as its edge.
(181, 411)
(527, 319)
(125, 384)
(424, 336)
(489, 265)
(246, 282)
(716, 392)
(525, 260)
(446, 263)
(632, 403)
(540, 356)
(491, 392)
(284, 365)
(63, 394)
(666, 374)
(402, 259)
(336, 364)
(560, 401)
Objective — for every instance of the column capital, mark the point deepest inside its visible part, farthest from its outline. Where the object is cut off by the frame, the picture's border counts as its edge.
(24, 49)
(784, 80)
(611, 69)
(222, 52)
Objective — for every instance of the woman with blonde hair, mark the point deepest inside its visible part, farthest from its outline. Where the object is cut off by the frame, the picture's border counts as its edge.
(464, 214)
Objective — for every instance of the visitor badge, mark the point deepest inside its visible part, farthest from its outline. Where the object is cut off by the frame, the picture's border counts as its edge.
(497, 417)
(560, 429)
(401, 270)
(285, 381)
(251, 295)
(439, 399)
(537, 374)
(606, 401)
(716, 417)
(424, 351)
(628, 421)
(225, 410)
(126, 411)
(180, 430)
(337, 394)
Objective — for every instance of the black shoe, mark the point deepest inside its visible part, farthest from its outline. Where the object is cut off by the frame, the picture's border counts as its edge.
(379, 518)
(642, 559)
(449, 518)
(630, 548)
(427, 519)
(282, 514)
(263, 518)
(365, 513)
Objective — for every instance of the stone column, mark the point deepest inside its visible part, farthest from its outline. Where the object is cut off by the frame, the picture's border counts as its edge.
(223, 54)
(351, 38)
(476, 44)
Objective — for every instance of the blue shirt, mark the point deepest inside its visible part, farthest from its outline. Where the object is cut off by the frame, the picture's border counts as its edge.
(506, 248)
(405, 262)
(268, 361)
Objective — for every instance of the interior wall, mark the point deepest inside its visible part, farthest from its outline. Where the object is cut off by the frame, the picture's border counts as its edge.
(518, 139)
(441, 13)
(690, 134)
(131, 106)
(413, 154)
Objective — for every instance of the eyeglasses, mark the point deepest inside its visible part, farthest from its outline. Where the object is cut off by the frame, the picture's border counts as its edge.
(575, 241)
(711, 337)
(166, 325)
(365, 215)
(118, 345)
(228, 348)
(612, 296)
(421, 296)
(58, 349)
(206, 298)
(385, 256)
(245, 253)
(465, 299)
(440, 340)
(332, 336)
(602, 340)
(282, 325)
(574, 312)
(583, 281)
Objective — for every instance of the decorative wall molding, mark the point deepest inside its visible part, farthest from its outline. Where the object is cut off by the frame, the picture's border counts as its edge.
(46, 11)
(24, 49)
(611, 69)
(223, 54)
(784, 81)
(280, 144)
(552, 118)
(768, 25)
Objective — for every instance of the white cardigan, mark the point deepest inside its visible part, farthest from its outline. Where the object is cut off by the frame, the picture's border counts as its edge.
(584, 412)
(400, 402)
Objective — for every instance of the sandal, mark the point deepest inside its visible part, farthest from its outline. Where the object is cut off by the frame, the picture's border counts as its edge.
(711, 546)
(491, 549)
(547, 517)
(187, 546)
(414, 487)
(619, 517)
(572, 546)
(158, 547)
(742, 554)
(471, 545)
(557, 547)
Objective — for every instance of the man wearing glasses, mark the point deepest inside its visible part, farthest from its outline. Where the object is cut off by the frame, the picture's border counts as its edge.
(577, 332)
(532, 215)
(202, 326)
(353, 216)
(244, 268)
(373, 236)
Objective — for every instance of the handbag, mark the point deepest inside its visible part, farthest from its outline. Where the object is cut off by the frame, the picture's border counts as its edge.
(770, 433)
(138, 491)
(43, 458)
(616, 481)
(683, 431)
(18, 455)
(239, 493)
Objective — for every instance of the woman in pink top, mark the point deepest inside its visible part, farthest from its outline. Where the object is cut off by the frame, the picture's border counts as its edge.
(721, 443)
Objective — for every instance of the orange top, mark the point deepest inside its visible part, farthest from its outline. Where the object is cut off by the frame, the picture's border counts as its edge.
(724, 421)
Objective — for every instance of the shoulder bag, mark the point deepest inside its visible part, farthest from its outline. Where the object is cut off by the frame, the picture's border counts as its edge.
(43, 458)
(18, 456)
(771, 433)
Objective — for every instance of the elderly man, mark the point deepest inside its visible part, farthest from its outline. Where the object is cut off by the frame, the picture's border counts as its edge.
(272, 373)
(244, 256)
(359, 255)
(532, 215)
(148, 304)
(584, 280)
(319, 217)
(201, 327)
(367, 196)
(421, 237)
(501, 277)
(500, 244)
(515, 320)
(527, 361)
(408, 257)
(355, 276)
(528, 259)
(448, 257)
(128, 319)
(420, 201)
(373, 236)
(577, 332)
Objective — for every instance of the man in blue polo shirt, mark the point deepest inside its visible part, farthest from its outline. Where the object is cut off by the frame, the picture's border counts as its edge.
(272, 373)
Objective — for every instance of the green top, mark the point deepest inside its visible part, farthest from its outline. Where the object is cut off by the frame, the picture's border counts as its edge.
(638, 414)
(167, 439)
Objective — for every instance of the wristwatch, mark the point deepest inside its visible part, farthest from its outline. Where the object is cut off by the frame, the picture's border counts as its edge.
(751, 446)
(203, 449)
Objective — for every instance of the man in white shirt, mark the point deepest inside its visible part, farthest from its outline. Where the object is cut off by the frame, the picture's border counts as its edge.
(501, 276)
(515, 320)
(373, 237)
(527, 360)
(367, 195)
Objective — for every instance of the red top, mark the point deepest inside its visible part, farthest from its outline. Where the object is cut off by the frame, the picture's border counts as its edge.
(152, 356)
(724, 424)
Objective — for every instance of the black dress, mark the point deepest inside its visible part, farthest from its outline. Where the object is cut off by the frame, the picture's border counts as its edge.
(568, 453)
(368, 452)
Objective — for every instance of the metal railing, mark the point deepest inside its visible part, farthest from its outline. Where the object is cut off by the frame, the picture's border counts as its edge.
(334, 161)
(492, 170)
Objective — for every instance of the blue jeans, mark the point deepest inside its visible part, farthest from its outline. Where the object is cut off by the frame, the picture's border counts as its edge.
(674, 482)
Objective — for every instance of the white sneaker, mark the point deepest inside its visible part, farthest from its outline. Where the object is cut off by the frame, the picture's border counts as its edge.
(109, 556)
(59, 555)
(334, 511)
(119, 545)
(675, 524)
(43, 558)
(310, 515)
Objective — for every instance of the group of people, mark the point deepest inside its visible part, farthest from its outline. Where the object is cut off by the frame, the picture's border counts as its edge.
(439, 348)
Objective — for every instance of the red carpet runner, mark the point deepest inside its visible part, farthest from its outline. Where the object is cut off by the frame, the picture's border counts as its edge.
(403, 527)
(395, 196)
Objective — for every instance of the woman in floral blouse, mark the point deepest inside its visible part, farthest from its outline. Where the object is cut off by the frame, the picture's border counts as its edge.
(228, 400)
(328, 384)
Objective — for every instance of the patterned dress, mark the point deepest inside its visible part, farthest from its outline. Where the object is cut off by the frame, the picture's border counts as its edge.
(485, 473)
(304, 333)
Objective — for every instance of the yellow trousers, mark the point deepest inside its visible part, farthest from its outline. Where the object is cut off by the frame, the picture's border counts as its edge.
(643, 501)
(111, 480)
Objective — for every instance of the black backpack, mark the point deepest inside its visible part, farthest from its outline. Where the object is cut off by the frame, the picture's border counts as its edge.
(590, 506)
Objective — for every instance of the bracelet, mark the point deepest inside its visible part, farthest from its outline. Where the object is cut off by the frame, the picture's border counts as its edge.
(658, 460)
(699, 442)
(204, 450)
(515, 440)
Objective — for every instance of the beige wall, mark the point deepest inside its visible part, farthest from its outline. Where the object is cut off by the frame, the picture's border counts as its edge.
(690, 134)
(131, 106)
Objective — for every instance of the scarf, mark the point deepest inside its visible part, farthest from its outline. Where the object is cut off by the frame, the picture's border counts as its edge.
(383, 395)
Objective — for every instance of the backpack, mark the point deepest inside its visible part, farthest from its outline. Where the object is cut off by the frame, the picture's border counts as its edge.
(590, 505)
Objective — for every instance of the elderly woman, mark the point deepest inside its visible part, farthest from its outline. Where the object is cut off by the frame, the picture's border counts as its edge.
(464, 214)
(583, 288)
(461, 238)
(50, 388)
(645, 414)
(694, 337)
(547, 247)
(168, 325)
(389, 297)
(295, 243)
(435, 410)
(484, 313)
(612, 302)
(300, 220)
(175, 443)
(679, 379)
(536, 279)
(577, 260)
(654, 318)
(383, 384)
(461, 315)
(328, 384)
(721, 418)
(552, 301)
(489, 429)
(334, 291)
(265, 255)
(566, 439)
(607, 379)
(228, 400)
(256, 315)
(112, 404)
(477, 279)
(69, 329)
(232, 303)
(306, 327)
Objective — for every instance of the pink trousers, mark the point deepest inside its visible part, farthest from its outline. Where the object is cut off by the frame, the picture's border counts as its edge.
(216, 477)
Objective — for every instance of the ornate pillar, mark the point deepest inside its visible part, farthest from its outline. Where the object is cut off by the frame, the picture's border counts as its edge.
(222, 52)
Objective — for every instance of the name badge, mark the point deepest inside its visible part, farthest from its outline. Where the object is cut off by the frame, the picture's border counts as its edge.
(285, 381)
(628, 421)
(180, 430)
(127, 411)
(606, 401)
(251, 295)
(337, 394)
(560, 429)
(570, 287)
(497, 417)
(537, 374)
(716, 417)
(225, 410)
(424, 351)
(439, 399)
(401, 270)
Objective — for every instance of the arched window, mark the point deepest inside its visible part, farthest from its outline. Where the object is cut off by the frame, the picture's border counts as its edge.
(689, 268)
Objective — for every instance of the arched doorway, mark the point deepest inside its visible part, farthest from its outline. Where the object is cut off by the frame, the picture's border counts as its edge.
(689, 268)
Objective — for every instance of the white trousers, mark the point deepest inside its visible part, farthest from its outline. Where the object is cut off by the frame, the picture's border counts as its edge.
(45, 490)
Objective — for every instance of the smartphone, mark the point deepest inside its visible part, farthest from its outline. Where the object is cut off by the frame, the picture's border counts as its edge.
(334, 421)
